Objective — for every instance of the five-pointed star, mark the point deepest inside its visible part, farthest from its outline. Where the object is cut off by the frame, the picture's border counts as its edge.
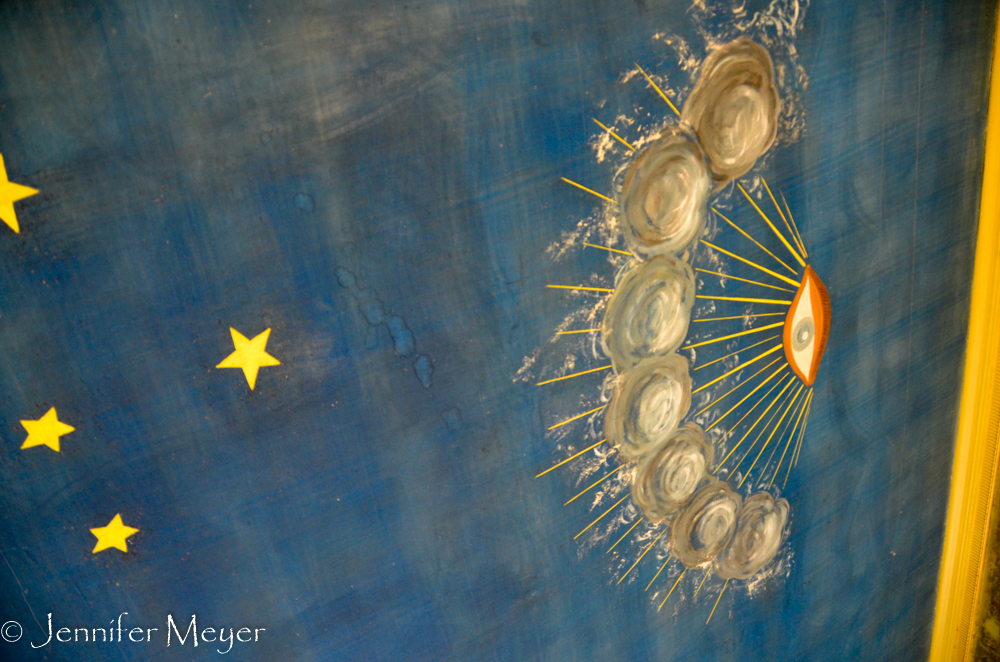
(9, 194)
(113, 535)
(45, 431)
(249, 355)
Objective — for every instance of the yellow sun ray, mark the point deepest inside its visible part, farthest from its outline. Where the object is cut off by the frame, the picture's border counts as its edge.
(601, 516)
(737, 352)
(576, 374)
(707, 573)
(648, 547)
(747, 396)
(780, 236)
(595, 484)
(798, 242)
(788, 471)
(581, 287)
(657, 88)
(745, 280)
(679, 577)
(669, 556)
(802, 411)
(734, 335)
(738, 368)
(795, 227)
(764, 429)
(798, 450)
(759, 245)
(571, 457)
(736, 317)
(625, 534)
(797, 405)
(771, 436)
(743, 299)
(717, 601)
(759, 418)
(606, 248)
(614, 135)
(566, 333)
(581, 186)
(804, 425)
(578, 416)
(752, 264)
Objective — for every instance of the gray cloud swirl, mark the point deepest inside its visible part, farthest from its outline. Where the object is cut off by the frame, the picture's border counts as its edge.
(667, 478)
(706, 525)
(734, 107)
(664, 195)
(648, 405)
(649, 312)
(758, 536)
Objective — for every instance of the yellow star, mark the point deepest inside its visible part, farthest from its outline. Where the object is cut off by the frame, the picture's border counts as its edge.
(249, 355)
(45, 431)
(9, 194)
(113, 535)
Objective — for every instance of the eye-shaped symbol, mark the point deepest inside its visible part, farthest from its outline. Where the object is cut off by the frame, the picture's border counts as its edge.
(807, 327)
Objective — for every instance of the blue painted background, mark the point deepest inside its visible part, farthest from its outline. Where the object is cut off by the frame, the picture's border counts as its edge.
(376, 182)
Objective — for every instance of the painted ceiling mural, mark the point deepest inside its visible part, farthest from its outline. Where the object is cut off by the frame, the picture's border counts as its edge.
(671, 481)
(482, 330)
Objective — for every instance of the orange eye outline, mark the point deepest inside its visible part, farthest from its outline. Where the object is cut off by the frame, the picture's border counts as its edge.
(812, 326)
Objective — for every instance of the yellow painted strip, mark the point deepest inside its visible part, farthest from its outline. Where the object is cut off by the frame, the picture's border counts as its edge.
(758, 387)
(753, 264)
(759, 245)
(580, 287)
(648, 547)
(595, 484)
(717, 601)
(737, 317)
(739, 367)
(614, 135)
(575, 374)
(743, 299)
(581, 186)
(771, 225)
(723, 358)
(771, 436)
(566, 333)
(759, 419)
(735, 335)
(572, 457)
(625, 534)
(798, 243)
(679, 577)
(657, 88)
(744, 280)
(798, 234)
(795, 428)
(605, 248)
(586, 413)
(746, 381)
(960, 580)
(798, 444)
(669, 556)
(602, 515)
(798, 449)
(707, 573)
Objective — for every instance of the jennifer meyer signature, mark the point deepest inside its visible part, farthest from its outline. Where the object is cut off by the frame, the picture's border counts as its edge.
(224, 637)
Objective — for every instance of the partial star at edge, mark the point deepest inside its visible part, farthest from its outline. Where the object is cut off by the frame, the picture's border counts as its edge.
(113, 535)
(9, 194)
(45, 431)
(249, 355)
